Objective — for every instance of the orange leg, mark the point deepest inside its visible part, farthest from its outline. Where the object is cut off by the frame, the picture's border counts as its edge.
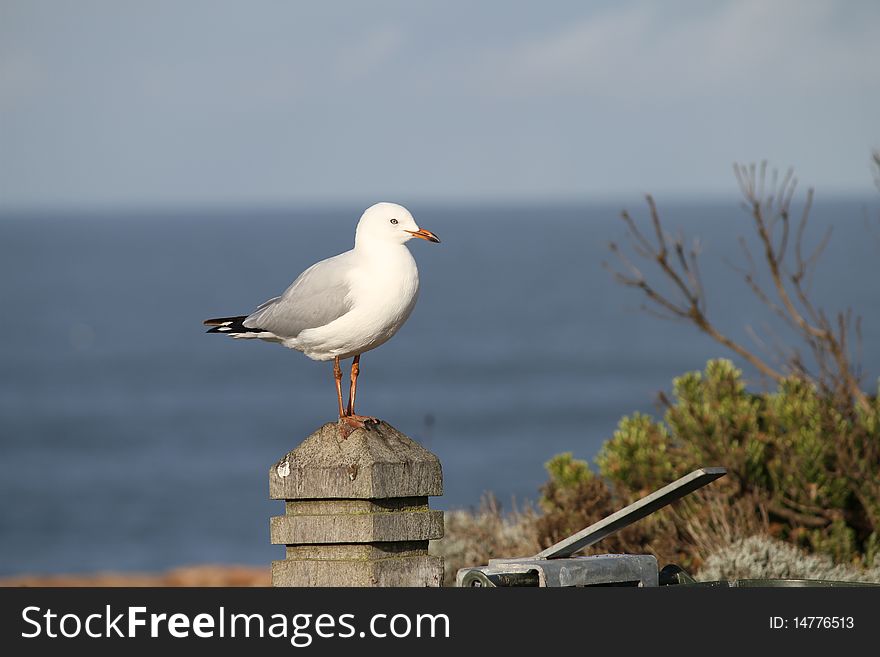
(352, 391)
(351, 418)
(337, 374)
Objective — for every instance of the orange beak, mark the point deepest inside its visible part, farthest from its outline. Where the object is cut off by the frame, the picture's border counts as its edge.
(424, 234)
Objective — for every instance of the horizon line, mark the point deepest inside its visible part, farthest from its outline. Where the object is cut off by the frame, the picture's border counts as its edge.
(326, 204)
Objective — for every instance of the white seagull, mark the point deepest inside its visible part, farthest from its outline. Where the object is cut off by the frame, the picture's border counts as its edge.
(346, 305)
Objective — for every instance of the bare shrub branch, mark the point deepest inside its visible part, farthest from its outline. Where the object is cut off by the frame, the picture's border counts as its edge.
(768, 203)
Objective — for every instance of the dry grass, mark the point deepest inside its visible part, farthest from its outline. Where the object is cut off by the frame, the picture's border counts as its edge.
(473, 537)
(711, 519)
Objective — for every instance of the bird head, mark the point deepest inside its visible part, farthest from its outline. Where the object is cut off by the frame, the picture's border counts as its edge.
(391, 224)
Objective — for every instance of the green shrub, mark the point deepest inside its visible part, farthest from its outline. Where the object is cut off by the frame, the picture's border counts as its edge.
(800, 464)
(566, 471)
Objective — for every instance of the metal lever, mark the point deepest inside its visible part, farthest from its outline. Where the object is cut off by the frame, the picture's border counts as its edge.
(635, 511)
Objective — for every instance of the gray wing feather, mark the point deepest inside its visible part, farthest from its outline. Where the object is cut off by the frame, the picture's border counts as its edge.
(317, 297)
(268, 303)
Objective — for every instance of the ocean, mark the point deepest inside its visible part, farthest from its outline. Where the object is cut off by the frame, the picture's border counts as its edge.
(130, 440)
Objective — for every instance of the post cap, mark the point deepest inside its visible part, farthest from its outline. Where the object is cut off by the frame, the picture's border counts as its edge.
(371, 463)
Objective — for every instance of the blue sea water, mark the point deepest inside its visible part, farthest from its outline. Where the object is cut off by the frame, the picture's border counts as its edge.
(129, 439)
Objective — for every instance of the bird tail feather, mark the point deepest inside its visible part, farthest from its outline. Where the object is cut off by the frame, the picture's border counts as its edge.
(235, 327)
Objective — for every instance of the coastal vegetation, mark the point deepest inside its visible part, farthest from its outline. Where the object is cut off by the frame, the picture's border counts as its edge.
(801, 443)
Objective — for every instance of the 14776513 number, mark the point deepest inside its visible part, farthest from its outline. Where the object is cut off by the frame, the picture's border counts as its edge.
(824, 622)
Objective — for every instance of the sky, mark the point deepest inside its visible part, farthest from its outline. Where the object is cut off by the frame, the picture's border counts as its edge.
(139, 104)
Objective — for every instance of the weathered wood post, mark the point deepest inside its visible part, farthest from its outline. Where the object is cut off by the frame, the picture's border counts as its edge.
(356, 510)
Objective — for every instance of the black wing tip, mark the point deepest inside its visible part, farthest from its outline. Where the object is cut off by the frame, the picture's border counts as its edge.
(230, 325)
(224, 321)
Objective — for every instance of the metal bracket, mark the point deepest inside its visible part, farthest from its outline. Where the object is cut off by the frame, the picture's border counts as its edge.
(595, 570)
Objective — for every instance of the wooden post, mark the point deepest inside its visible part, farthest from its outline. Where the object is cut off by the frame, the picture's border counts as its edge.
(356, 510)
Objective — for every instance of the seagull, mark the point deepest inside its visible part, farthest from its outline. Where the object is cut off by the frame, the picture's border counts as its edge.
(346, 305)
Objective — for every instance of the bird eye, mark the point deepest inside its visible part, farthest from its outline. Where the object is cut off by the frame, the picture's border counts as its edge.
(394, 221)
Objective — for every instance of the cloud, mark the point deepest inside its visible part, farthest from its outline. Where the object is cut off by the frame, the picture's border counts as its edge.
(367, 55)
(646, 51)
(161, 102)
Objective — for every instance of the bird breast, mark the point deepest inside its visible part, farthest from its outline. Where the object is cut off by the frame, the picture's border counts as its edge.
(385, 290)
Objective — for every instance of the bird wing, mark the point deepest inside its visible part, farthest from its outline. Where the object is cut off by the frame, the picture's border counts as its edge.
(317, 297)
